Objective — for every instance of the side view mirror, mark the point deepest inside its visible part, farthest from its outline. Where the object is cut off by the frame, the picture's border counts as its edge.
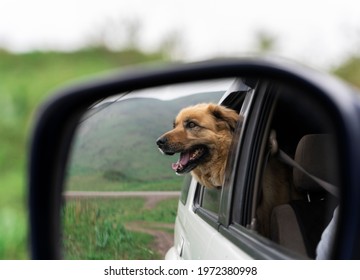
(281, 107)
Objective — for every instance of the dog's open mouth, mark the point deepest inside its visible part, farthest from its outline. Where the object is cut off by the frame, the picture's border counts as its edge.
(189, 159)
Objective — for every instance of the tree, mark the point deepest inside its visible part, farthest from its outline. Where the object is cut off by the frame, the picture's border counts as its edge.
(265, 42)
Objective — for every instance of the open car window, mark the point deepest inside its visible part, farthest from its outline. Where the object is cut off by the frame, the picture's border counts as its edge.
(283, 203)
(238, 97)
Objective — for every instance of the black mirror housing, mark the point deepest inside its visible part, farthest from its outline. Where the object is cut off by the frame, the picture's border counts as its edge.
(58, 118)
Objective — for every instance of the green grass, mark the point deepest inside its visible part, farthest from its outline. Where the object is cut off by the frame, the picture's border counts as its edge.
(13, 217)
(350, 70)
(96, 182)
(95, 228)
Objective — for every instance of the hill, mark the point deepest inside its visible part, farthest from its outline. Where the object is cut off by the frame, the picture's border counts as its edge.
(115, 145)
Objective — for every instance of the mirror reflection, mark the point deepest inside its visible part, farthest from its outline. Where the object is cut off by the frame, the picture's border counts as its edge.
(258, 157)
(121, 191)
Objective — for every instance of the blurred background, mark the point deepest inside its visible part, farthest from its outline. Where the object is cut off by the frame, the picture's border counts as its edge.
(44, 44)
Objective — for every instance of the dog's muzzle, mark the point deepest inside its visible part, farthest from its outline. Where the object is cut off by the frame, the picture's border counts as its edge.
(162, 143)
(188, 159)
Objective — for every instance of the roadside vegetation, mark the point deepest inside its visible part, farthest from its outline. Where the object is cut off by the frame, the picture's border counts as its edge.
(97, 228)
(350, 70)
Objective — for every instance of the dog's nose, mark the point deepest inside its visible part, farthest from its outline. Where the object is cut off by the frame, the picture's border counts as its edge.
(161, 141)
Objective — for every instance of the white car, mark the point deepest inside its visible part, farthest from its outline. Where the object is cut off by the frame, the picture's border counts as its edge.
(224, 223)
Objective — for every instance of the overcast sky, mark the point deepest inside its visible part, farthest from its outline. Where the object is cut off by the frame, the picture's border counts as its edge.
(319, 33)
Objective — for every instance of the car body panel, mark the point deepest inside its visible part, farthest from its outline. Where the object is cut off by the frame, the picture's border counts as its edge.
(195, 239)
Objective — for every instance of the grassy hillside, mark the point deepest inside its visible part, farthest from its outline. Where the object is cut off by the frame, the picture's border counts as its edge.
(25, 80)
(115, 147)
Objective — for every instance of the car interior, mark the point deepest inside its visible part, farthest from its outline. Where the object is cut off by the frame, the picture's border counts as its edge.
(303, 131)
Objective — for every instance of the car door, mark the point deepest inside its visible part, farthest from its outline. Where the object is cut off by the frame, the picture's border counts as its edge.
(274, 214)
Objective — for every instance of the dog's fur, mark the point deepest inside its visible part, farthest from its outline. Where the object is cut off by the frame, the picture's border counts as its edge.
(209, 128)
(205, 129)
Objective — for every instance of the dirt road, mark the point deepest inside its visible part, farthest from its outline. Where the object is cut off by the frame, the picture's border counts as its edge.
(163, 239)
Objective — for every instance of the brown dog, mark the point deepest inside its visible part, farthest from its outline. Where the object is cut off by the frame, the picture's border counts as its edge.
(202, 135)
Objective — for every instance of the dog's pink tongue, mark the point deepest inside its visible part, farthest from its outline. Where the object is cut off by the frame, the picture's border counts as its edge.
(183, 160)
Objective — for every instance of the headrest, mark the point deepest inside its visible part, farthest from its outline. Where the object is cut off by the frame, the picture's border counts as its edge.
(316, 153)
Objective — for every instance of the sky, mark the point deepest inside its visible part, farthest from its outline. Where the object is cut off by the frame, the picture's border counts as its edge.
(319, 33)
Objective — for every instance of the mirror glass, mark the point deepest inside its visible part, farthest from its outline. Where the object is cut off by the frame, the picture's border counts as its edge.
(122, 194)
(115, 163)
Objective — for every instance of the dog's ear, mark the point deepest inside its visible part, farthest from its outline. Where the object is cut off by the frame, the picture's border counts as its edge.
(225, 117)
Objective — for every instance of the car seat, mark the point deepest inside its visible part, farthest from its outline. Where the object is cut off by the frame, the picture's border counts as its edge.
(299, 224)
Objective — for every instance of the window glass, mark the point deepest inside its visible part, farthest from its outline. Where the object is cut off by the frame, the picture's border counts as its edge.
(210, 199)
(185, 189)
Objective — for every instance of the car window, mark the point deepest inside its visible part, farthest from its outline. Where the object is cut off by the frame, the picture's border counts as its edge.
(239, 98)
(210, 199)
(185, 189)
(282, 203)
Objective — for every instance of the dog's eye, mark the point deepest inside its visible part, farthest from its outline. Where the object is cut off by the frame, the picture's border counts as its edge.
(191, 125)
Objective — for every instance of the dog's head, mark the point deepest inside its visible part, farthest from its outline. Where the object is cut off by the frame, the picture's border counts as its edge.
(201, 134)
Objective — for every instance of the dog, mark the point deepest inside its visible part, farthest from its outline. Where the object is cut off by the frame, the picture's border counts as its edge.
(202, 135)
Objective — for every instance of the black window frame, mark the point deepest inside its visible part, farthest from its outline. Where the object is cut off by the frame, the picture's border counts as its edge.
(239, 230)
(238, 226)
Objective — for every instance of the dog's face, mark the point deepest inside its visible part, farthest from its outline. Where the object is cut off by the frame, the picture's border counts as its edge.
(201, 135)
